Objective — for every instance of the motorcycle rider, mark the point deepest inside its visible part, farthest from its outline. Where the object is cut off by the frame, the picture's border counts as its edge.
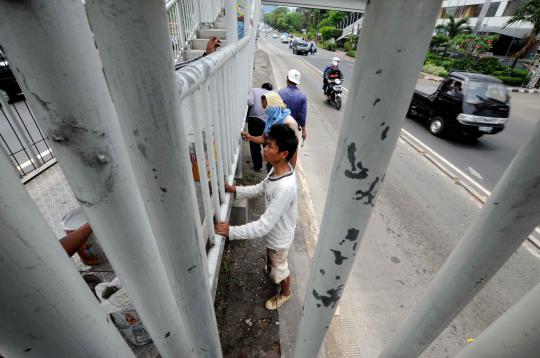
(330, 73)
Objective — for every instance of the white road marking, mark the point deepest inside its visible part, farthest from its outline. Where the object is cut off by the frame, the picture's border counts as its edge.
(474, 173)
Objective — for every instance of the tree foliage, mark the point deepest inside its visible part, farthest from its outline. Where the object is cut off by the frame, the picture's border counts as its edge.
(475, 44)
(329, 32)
(311, 20)
(452, 28)
(528, 11)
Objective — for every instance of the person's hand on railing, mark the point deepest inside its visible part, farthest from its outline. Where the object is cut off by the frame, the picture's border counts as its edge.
(230, 188)
(212, 44)
(222, 228)
(246, 136)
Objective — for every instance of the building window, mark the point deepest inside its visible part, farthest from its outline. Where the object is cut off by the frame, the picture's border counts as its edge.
(512, 7)
(492, 9)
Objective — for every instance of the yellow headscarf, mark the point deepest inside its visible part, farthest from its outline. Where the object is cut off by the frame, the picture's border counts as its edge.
(276, 110)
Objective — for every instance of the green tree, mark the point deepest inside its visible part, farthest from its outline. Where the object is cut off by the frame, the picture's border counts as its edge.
(278, 18)
(438, 40)
(528, 11)
(453, 28)
(329, 32)
(294, 22)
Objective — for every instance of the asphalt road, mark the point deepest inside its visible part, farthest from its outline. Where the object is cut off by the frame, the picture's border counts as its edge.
(419, 217)
(486, 159)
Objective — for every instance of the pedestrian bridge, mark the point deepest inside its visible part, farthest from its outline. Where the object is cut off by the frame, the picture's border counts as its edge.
(99, 77)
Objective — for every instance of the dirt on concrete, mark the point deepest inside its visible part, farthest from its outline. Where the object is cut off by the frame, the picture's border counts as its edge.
(246, 328)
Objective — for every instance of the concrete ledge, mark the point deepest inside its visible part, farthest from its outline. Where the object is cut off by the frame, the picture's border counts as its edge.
(208, 33)
(524, 90)
(200, 44)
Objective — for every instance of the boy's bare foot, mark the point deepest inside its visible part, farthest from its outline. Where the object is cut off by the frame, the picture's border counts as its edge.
(275, 302)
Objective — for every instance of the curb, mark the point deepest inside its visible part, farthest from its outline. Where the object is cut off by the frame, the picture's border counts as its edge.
(458, 177)
(430, 77)
(523, 90)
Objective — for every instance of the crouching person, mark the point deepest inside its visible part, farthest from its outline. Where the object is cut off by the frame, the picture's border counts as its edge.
(278, 222)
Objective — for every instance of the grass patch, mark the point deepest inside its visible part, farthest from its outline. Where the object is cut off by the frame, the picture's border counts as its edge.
(248, 179)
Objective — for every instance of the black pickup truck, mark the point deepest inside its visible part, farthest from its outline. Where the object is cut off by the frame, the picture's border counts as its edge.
(469, 103)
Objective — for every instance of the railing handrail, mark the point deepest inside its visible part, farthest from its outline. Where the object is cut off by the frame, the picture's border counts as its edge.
(191, 77)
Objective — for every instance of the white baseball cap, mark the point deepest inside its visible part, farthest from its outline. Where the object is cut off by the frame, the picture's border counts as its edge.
(294, 76)
(335, 61)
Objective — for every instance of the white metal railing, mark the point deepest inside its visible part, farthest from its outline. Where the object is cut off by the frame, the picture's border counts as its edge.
(185, 16)
(118, 129)
(119, 132)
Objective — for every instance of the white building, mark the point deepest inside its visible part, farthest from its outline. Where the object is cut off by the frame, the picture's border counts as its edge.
(497, 16)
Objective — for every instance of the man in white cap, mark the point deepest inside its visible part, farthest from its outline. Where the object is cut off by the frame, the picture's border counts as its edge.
(330, 73)
(295, 100)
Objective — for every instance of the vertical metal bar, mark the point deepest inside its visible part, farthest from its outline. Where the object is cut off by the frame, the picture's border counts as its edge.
(224, 99)
(506, 219)
(187, 19)
(33, 142)
(375, 110)
(10, 154)
(23, 148)
(173, 32)
(193, 16)
(231, 21)
(200, 13)
(180, 29)
(233, 108)
(230, 113)
(148, 108)
(196, 118)
(222, 120)
(186, 23)
(73, 108)
(37, 126)
(514, 334)
(217, 120)
(21, 136)
(210, 143)
(46, 308)
(233, 99)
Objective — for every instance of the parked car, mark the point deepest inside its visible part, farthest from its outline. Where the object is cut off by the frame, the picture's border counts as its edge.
(300, 47)
(8, 83)
(285, 38)
(469, 103)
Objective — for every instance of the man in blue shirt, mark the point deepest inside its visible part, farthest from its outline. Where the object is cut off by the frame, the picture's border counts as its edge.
(295, 100)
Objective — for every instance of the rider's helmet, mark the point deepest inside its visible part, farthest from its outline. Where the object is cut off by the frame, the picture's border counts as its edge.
(335, 61)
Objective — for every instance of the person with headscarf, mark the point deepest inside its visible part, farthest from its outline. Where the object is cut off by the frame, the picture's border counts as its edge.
(276, 113)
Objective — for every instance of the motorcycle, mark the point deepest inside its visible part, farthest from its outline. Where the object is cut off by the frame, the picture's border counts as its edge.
(333, 94)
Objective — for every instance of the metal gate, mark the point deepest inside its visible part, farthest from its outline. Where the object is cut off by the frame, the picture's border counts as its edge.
(20, 136)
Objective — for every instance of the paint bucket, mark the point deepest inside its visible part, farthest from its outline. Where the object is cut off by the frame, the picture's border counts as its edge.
(90, 252)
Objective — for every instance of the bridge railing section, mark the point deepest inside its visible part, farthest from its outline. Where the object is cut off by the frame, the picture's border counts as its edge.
(121, 129)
